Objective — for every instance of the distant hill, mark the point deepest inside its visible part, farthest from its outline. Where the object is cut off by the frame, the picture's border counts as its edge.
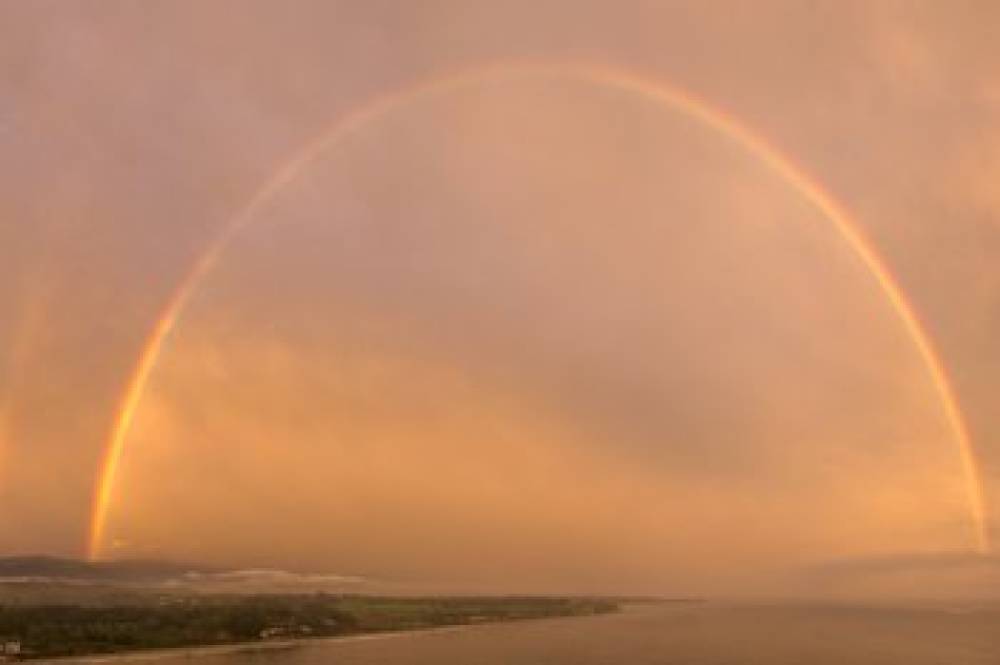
(51, 573)
(123, 571)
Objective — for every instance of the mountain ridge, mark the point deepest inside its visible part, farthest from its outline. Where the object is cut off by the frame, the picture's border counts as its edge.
(114, 570)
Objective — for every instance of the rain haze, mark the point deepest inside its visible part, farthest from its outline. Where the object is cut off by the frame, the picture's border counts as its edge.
(679, 298)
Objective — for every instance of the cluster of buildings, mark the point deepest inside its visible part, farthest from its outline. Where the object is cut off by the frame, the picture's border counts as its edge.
(10, 650)
(285, 631)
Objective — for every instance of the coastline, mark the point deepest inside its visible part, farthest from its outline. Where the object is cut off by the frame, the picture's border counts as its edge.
(251, 646)
(152, 631)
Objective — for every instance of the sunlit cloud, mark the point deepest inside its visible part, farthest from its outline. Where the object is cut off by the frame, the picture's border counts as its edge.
(525, 335)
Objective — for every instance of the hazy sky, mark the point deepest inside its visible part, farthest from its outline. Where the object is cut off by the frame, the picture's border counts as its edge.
(531, 334)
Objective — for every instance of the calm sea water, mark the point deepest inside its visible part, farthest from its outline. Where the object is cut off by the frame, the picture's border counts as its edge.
(683, 635)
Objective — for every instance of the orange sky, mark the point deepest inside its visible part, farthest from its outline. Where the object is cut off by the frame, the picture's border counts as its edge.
(526, 336)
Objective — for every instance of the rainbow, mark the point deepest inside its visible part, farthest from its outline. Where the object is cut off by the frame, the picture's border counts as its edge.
(649, 90)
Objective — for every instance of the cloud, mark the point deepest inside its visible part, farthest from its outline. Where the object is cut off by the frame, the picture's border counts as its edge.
(918, 576)
(505, 328)
(923, 561)
(267, 579)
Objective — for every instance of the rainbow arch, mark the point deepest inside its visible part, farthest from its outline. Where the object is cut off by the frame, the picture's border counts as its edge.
(652, 91)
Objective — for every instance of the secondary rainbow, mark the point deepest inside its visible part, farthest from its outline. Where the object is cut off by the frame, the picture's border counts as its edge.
(652, 91)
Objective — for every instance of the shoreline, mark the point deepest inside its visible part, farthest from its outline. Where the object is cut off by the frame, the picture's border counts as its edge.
(194, 651)
(78, 634)
(252, 646)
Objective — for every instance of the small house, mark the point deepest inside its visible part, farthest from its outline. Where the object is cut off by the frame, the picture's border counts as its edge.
(10, 649)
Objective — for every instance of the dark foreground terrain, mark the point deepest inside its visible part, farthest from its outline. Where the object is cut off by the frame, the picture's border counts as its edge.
(46, 631)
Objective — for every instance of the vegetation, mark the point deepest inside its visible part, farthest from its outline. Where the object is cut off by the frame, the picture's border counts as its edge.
(67, 630)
